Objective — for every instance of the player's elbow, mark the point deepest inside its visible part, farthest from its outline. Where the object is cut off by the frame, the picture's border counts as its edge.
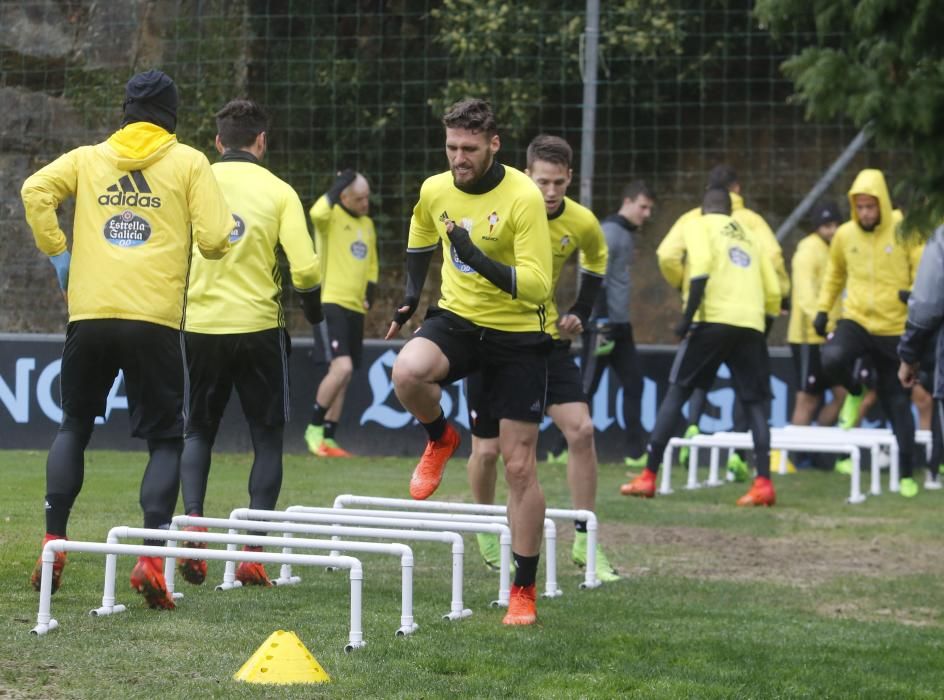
(533, 288)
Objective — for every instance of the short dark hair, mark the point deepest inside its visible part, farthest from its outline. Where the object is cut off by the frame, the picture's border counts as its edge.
(240, 122)
(637, 188)
(550, 149)
(471, 114)
(722, 175)
(717, 200)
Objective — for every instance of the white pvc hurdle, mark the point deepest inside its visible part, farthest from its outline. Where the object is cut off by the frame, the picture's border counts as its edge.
(590, 576)
(335, 517)
(402, 551)
(872, 439)
(45, 622)
(719, 441)
(457, 610)
(551, 589)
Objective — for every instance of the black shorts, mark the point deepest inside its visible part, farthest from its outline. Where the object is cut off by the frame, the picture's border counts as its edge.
(564, 385)
(150, 356)
(340, 334)
(513, 365)
(255, 363)
(743, 350)
(809, 368)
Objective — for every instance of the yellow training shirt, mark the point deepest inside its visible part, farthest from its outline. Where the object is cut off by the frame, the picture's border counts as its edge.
(871, 266)
(347, 246)
(809, 267)
(142, 201)
(673, 263)
(242, 292)
(742, 285)
(509, 224)
(573, 228)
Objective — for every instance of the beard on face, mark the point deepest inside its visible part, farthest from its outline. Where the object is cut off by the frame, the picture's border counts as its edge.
(475, 174)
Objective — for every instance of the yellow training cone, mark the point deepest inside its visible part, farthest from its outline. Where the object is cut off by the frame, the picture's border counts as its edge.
(282, 658)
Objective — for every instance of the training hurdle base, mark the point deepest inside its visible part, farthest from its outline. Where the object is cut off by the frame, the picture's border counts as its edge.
(46, 623)
(403, 552)
(590, 575)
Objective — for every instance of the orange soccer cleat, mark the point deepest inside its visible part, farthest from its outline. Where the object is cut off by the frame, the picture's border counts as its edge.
(329, 448)
(522, 606)
(429, 472)
(193, 570)
(252, 573)
(147, 578)
(761, 493)
(643, 486)
(58, 565)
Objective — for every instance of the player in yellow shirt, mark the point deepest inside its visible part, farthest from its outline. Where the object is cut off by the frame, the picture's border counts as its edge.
(673, 264)
(877, 268)
(491, 223)
(347, 244)
(809, 266)
(733, 297)
(235, 327)
(572, 228)
(142, 200)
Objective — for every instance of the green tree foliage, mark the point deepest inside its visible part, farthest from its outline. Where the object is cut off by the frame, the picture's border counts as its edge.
(507, 51)
(879, 63)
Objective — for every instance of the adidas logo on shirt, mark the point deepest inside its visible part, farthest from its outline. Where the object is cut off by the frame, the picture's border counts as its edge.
(131, 190)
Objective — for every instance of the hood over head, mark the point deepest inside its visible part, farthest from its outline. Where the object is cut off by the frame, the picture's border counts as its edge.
(872, 182)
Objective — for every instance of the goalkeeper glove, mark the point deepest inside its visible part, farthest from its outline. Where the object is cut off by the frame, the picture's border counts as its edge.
(61, 263)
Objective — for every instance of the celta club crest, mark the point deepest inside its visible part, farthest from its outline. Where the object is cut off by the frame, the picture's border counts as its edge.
(565, 241)
(492, 220)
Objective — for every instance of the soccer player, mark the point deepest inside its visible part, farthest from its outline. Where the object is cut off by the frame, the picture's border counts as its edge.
(921, 348)
(809, 265)
(877, 270)
(142, 200)
(235, 329)
(496, 277)
(673, 263)
(733, 296)
(611, 317)
(572, 227)
(347, 245)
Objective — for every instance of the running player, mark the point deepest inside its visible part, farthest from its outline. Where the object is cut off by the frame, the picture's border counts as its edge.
(572, 227)
(236, 325)
(142, 201)
(733, 296)
(877, 269)
(347, 244)
(491, 223)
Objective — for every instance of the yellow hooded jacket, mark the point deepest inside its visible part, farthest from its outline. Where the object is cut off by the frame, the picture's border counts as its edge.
(671, 253)
(872, 266)
(141, 198)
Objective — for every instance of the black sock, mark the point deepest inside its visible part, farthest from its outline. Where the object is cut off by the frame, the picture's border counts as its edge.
(152, 520)
(526, 569)
(580, 525)
(318, 414)
(58, 508)
(436, 429)
(329, 427)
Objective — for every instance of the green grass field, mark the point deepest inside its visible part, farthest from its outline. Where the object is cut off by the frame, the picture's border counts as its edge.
(810, 599)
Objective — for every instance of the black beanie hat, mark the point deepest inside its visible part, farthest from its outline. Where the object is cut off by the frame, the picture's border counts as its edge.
(826, 213)
(151, 97)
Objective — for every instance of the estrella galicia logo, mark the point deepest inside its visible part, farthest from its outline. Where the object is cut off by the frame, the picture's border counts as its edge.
(131, 190)
(739, 257)
(127, 230)
(239, 230)
(359, 249)
(460, 266)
